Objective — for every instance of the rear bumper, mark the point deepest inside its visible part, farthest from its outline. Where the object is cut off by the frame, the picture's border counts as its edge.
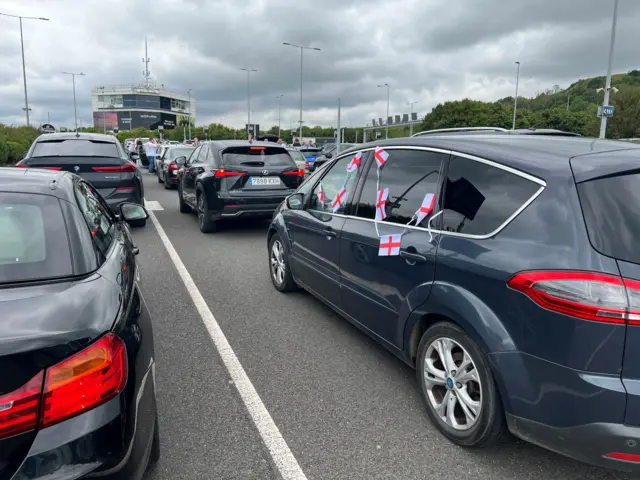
(587, 443)
(169, 179)
(95, 443)
(250, 210)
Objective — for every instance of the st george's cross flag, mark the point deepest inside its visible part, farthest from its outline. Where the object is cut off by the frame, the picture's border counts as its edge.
(381, 156)
(341, 197)
(426, 208)
(354, 163)
(321, 196)
(390, 245)
(381, 201)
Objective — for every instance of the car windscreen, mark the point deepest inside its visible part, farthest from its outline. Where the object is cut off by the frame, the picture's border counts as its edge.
(33, 238)
(179, 152)
(80, 147)
(257, 156)
(610, 206)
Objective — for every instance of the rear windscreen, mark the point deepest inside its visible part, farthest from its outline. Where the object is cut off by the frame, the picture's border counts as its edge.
(33, 238)
(74, 148)
(179, 152)
(257, 156)
(611, 208)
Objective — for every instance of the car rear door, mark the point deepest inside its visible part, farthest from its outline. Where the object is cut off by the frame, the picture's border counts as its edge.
(376, 290)
(100, 162)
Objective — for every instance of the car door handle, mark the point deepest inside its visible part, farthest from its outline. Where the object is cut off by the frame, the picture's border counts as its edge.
(328, 232)
(412, 258)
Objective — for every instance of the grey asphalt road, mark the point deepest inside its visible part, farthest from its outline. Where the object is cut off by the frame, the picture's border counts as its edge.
(346, 407)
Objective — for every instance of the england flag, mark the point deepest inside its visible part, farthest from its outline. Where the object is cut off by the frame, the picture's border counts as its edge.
(381, 156)
(390, 245)
(381, 201)
(354, 163)
(426, 208)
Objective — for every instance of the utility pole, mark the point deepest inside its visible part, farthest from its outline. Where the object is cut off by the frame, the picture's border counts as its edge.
(146, 61)
(24, 69)
(189, 93)
(249, 127)
(387, 122)
(302, 49)
(279, 98)
(338, 132)
(75, 111)
(607, 91)
(515, 102)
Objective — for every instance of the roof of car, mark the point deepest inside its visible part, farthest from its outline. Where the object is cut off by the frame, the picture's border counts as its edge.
(77, 136)
(35, 181)
(535, 154)
(242, 143)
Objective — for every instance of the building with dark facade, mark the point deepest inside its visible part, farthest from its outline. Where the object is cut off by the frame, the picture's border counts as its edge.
(131, 106)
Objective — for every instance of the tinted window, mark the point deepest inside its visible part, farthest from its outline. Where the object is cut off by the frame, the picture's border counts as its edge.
(33, 238)
(257, 156)
(331, 184)
(479, 198)
(179, 152)
(409, 175)
(194, 155)
(297, 156)
(96, 215)
(74, 148)
(610, 207)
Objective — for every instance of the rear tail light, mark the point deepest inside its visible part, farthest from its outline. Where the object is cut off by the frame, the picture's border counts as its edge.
(128, 167)
(627, 457)
(21, 164)
(172, 166)
(226, 173)
(591, 296)
(299, 173)
(125, 189)
(257, 148)
(51, 168)
(84, 381)
(19, 409)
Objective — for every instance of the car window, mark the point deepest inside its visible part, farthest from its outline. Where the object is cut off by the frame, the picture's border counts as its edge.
(194, 156)
(96, 214)
(74, 147)
(326, 191)
(33, 239)
(479, 198)
(174, 153)
(208, 159)
(257, 156)
(409, 175)
(297, 156)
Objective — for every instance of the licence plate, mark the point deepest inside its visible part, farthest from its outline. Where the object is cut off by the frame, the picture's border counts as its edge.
(264, 181)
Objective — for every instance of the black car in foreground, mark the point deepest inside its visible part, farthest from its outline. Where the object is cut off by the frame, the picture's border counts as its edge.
(504, 268)
(235, 178)
(77, 391)
(166, 166)
(99, 159)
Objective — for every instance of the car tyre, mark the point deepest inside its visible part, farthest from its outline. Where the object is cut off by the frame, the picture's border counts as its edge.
(166, 185)
(155, 446)
(184, 208)
(159, 179)
(206, 224)
(279, 269)
(466, 411)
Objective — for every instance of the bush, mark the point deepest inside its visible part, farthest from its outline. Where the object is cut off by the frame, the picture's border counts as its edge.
(14, 143)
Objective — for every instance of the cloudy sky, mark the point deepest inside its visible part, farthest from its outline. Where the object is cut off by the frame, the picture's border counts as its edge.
(429, 51)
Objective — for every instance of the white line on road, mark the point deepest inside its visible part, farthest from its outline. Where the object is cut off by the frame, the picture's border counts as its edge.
(282, 456)
(152, 205)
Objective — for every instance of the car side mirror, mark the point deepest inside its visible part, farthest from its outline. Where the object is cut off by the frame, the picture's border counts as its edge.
(181, 161)
(295, 201)
(130, 212)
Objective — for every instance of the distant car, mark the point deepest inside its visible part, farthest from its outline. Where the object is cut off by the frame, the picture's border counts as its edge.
(100, 159)
(77, 389)
(311, 154)
(328, 154)
(235, 178)
(299, 158)
(167, 168)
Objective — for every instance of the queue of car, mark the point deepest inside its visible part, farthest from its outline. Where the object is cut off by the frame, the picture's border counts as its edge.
(500, 265)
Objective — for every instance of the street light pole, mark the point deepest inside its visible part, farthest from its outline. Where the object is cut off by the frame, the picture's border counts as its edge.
(302, 49)
(189, 93)
(279, 98)
(75, 111)
(515, 102)
(411, 104)
(249, 70)
(380, 86)
(607, 90)
(24, 69)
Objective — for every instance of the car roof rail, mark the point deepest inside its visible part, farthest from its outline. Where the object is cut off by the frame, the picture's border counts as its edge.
(460, 129)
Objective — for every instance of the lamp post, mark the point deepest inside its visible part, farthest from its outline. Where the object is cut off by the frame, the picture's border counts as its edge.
(380, 86)
(607, 90)
(24, 70)
(411, 104)
(515, 102)
(189, 93)
(249, 70)
(75, 111)
(302, 49)
(279, 98)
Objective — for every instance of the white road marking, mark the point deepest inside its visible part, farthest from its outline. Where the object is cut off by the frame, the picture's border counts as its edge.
(282, 456)
(152, 205)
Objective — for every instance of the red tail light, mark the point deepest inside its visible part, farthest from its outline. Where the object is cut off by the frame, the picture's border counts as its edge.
(125, 189)
(21, 164)
(19, 409)
(128, 167)
(84, 381)
(257, 148)
(226, 173)
(591, 296)
(51, 168)
(299, 173)
(172, 166)
(627, 457)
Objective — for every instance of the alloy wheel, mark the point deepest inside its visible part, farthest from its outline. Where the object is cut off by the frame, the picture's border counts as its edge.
(201, 209)
(452, 383)
(277, 262)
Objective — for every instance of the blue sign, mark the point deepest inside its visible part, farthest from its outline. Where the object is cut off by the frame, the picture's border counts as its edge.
(607, 111)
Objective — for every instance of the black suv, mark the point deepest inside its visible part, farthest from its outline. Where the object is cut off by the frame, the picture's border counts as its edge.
(504, 268)
(232, 179)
